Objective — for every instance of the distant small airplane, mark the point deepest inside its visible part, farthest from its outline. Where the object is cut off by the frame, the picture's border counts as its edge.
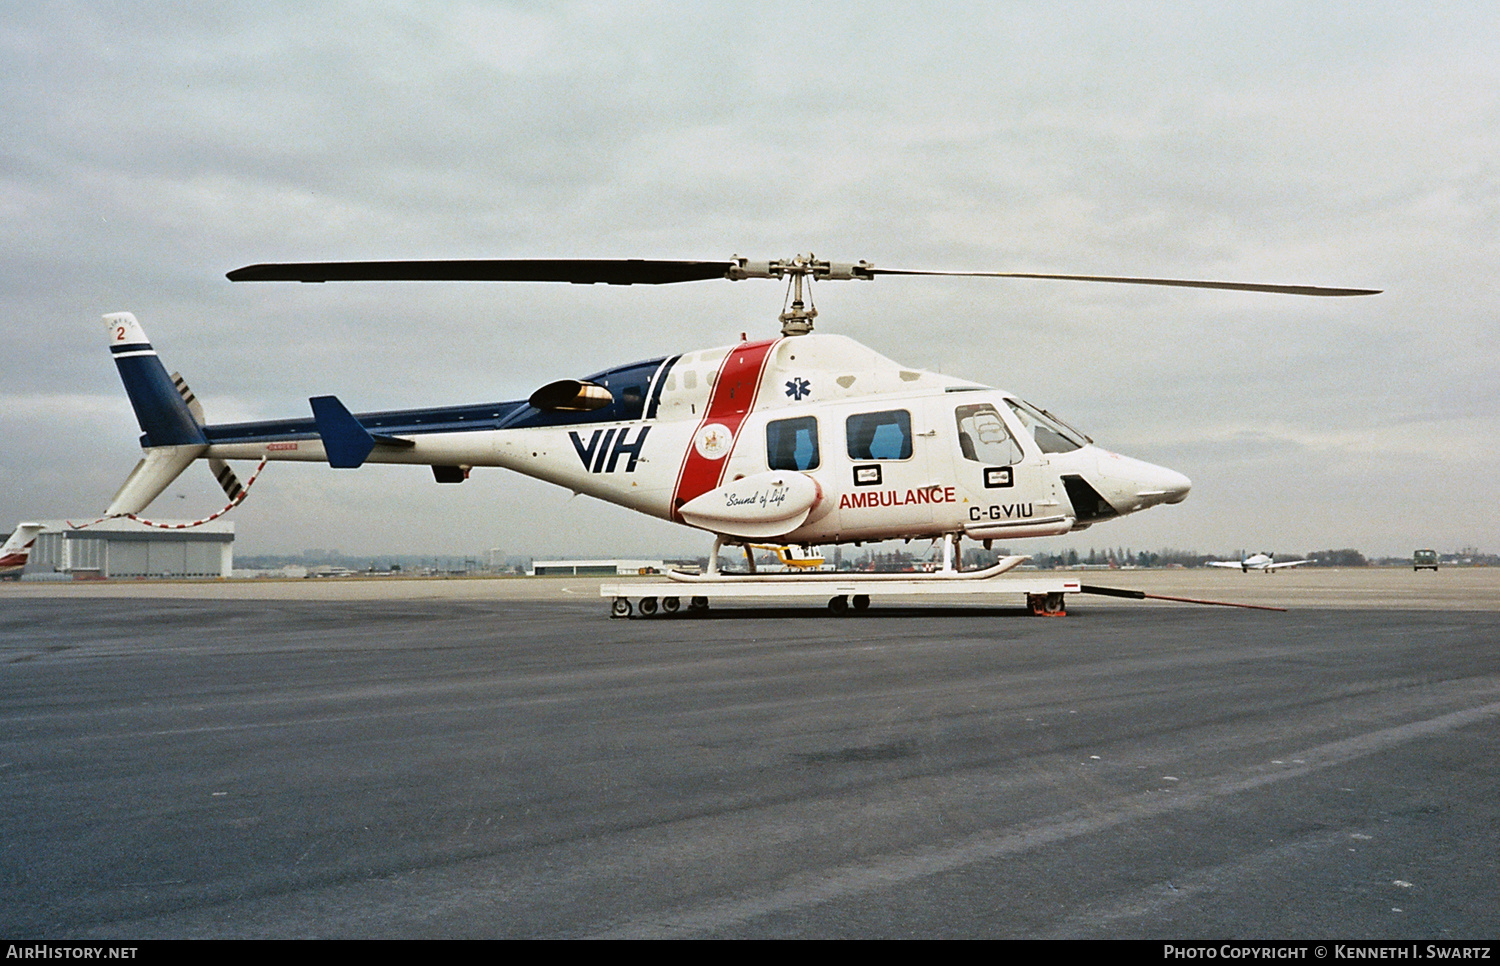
(1258, 561)
(17, 549)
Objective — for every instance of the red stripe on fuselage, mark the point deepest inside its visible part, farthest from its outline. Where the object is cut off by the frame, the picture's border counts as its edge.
(735, 389)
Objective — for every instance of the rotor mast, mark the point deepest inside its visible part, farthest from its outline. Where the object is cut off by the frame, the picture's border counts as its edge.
(798, 318)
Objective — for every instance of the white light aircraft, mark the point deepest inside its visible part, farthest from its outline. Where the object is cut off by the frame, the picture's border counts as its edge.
(1265, 562)
(17, 550)
(803, 440)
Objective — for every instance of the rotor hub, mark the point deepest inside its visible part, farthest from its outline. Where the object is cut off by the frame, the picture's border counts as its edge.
(797, 318)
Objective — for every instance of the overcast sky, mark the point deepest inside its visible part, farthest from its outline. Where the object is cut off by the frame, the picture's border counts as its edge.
(149, 148)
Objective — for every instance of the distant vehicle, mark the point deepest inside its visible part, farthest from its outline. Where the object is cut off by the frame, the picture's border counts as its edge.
(17, 549)
(790, 560)
(1258, 561)
(1424, 560)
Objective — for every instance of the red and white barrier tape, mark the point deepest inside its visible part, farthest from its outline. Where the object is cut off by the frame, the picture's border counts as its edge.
(183, 526)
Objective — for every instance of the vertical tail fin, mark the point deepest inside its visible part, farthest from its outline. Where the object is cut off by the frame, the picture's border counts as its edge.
(20, 539)
(174, 435)
(163, 413)
(17, 549)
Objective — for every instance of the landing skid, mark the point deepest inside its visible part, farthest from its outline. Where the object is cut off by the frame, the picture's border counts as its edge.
(824, 576)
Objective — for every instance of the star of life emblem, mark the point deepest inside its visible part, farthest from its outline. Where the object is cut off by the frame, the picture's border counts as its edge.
(797, 388)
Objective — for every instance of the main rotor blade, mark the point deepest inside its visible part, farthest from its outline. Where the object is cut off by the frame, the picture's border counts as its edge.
(1173, 282)
(579, 271)
(646, 271)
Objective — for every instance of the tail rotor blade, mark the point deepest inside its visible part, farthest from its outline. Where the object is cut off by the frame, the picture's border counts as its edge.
(227, 479)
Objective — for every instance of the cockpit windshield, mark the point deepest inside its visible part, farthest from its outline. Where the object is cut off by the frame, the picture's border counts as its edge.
(1052, 435)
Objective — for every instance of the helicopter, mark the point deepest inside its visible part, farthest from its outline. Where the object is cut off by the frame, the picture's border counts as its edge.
(807, 439)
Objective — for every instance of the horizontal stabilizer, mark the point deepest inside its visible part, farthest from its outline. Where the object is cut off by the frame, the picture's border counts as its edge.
(155, 473)
(347, 443)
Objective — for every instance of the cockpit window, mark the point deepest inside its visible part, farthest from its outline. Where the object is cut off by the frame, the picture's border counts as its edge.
(1052, 435)
(983, 438)
(879, 436)
(792, 444)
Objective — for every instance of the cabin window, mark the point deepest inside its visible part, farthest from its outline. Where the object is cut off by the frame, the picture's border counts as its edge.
(879, 436)
(792, 444)
(983, 438)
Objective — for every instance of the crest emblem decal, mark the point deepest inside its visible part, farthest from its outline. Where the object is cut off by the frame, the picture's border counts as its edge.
(712, 441)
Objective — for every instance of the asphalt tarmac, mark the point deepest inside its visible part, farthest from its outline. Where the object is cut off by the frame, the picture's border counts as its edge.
(421, 759)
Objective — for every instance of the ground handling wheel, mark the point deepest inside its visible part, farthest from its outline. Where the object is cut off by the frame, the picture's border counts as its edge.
(669, 605)
(620, 607)
(839, 605)
(648, 606)
(1047, 605)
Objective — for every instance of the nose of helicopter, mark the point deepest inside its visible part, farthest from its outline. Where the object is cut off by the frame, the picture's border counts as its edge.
(1136, 484)
(1174, 485)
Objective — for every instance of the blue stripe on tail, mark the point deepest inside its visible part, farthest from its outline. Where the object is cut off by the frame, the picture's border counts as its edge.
(159, 407)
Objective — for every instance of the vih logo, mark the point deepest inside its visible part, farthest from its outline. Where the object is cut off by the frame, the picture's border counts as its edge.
(606, 446)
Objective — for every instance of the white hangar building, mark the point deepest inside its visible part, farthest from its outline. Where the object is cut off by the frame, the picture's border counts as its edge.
(124, 548)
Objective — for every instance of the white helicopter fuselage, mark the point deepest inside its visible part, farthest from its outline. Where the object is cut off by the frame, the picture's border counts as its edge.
(806, 440)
